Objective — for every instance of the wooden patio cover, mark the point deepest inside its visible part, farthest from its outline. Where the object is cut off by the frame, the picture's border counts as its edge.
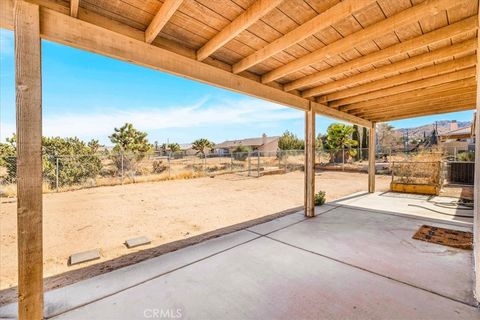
(361, 61)
(354, 60)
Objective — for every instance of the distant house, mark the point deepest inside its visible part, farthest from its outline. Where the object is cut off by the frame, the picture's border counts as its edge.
(262, 144)
(456, 139)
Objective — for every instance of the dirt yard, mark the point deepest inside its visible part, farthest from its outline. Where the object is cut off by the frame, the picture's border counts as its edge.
(166, 211)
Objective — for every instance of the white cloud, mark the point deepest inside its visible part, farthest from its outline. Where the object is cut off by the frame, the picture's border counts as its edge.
(100, 124)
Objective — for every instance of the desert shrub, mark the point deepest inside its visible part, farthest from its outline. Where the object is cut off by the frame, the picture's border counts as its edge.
(466, 156)
(289, 141)
(77, 161)
(240, 153)
(158, 166)
(320, 198)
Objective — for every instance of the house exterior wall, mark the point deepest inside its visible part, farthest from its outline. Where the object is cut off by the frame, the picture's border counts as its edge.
(271, 146)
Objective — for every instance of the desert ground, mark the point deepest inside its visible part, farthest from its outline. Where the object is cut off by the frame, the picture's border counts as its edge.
(104, 217)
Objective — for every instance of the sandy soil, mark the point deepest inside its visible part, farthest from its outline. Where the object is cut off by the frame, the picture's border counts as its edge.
(166, 211)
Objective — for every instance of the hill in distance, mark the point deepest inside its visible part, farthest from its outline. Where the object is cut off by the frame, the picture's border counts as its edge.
(442, 126)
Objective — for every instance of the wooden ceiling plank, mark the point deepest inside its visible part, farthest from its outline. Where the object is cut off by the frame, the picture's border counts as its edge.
(74, 4)
(164, 14)
(394, 68)
(61, 28)
(468, 93)
(423, 41)
(326, 19)
(255, 12)
(426, 77)
(408, 16)
(463, 105)
(434, 94)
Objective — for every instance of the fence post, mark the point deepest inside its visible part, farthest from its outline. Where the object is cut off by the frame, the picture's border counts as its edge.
(169, 166)
(455, 153)
(249, 163)
(258, 164)
(343, 158)
(121, 155)
(56, 174)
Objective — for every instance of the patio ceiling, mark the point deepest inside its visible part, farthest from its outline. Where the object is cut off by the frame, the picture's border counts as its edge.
(355, 60)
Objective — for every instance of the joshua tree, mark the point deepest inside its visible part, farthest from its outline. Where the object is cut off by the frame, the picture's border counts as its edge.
(202, 146)
(130, 140)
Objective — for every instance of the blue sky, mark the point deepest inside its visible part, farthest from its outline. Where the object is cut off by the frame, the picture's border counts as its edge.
(87, 95)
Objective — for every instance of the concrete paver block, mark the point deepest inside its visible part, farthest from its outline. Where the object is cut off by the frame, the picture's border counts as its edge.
(84, 256)
(136, 242)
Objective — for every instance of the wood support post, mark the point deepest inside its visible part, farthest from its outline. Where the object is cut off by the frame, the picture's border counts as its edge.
(371, 159)
(476, 192)
(29, 159)
(310, 163)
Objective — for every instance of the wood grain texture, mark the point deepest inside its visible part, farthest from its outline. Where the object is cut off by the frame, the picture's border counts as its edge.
(334, 14)
(309, 163)
(394, 68)
(163, 15)
(417, 43)
(476, 192)
(257, 10)
(371, 158)
(28, 85)
(401, 19)
(74, 4)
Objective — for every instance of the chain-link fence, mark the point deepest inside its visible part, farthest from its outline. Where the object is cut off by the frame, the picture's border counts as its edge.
(70, 172)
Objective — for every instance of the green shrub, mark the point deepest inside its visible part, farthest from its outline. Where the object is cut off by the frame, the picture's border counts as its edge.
(466, 156)
(320, 198)
(240, 153)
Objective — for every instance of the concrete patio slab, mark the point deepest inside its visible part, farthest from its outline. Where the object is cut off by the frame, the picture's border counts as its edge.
(409, 204)
(383, 244)
(86, 291)
(344, 263)
(265, 279)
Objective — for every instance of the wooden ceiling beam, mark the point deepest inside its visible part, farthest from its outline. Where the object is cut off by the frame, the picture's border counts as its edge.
(393, 69)
(164, 14)
(436, 93)
(255, 12)
(402, 19)
(334, 14)
(74, 4)
(426, 103)
(388, 84)
(398, 88)
(63, 29)
(423, 41)
(457, 106)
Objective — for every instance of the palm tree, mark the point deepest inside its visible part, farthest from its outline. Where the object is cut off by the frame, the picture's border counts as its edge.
(339, 137)
(202, 146)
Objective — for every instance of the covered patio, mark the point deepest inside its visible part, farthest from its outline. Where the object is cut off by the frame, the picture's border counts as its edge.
(361, 62)
(346, 262)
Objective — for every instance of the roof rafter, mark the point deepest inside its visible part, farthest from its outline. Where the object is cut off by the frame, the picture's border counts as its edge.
(74, 4)
(435, 92)
(425, 77)
(255, 12)
(404, 18)
(61, 28)
(416, 43)
(394, 68)
(334, 14)
(418, 111)
(424, 105)
(164, 14)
